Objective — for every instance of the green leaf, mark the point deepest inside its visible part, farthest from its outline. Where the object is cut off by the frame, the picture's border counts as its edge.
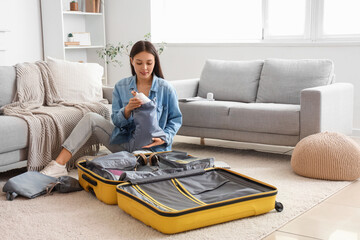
(111, 52)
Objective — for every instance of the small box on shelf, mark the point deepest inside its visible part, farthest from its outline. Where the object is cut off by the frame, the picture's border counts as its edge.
(82, 37)
(72, 43)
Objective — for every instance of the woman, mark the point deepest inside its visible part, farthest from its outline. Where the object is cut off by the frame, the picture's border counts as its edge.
(148, 79)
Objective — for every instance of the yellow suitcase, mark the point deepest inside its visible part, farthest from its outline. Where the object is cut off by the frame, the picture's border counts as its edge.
(104, 189)
(195, 199)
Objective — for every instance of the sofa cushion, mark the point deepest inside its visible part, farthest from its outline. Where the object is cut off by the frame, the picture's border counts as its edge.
(7, 84)
(77, 82)
(8, 158)
(209, 114)
(230, 80)
(14, 134)
(249, 117)
(266, 118)
(282, 80)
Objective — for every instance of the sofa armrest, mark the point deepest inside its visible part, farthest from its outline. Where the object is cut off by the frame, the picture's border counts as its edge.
(107, 93)
(186, 88)
(327, 108)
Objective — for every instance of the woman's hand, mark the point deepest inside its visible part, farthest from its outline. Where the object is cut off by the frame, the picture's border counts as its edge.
(133, 104)
(156, 142)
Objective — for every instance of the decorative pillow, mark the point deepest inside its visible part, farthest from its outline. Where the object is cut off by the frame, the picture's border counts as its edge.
(230, 80)
(77, 82)
(282, 80)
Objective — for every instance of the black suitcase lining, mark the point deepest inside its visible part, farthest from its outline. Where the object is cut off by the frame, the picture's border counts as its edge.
(178, 194)
(167, 194)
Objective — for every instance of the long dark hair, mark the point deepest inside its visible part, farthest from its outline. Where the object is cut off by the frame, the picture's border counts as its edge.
(146, 46)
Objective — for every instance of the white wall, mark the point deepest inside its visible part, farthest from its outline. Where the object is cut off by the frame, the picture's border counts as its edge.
(186, 61)
(125, 21)
(24, 41)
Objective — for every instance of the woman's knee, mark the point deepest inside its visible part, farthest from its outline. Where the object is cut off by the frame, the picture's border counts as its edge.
(91, 118)
(91, 115)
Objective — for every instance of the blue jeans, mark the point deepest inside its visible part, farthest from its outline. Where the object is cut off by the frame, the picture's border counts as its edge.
(96, 125)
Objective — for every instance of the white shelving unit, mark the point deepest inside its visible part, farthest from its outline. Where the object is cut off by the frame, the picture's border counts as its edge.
(58, 22)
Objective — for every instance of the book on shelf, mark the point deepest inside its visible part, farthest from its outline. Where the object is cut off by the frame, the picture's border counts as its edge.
(72, 43)
(92, 6)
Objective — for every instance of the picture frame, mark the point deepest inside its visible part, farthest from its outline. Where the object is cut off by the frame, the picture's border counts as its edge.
(82, 37)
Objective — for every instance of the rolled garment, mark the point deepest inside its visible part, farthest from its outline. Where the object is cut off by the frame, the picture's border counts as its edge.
(146, 126)
(66, 184)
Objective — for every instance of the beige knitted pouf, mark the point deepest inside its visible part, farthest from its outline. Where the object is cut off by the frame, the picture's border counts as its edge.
(327, 155)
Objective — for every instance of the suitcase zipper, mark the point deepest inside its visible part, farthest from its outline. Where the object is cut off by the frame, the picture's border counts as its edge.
(142, 192)
(185, 192)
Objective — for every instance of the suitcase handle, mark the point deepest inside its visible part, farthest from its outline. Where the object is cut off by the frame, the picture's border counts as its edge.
(89, 180)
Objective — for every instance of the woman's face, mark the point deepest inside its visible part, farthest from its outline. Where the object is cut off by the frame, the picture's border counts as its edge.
(143, 64)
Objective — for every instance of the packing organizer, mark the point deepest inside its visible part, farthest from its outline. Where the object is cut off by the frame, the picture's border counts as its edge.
(195, 198)
(101, 175)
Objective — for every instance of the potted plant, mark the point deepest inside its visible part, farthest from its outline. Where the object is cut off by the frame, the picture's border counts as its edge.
(74, 6)
(70, 37)
(110, 52)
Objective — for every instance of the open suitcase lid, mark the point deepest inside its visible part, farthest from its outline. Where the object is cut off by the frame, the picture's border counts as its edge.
(194, 190)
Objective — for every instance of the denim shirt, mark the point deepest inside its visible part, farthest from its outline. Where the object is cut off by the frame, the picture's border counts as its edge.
(168, 112)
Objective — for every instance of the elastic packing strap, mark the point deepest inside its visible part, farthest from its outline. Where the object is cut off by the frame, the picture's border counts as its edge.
(187, 173)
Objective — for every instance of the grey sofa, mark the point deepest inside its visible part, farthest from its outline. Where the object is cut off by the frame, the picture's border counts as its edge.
(14, 130)
(275, 101)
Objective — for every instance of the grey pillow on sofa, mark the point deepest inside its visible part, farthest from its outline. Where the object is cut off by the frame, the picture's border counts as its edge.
(230, 80)
(282, 80)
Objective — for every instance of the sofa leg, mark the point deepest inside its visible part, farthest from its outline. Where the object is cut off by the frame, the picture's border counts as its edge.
(202, 141)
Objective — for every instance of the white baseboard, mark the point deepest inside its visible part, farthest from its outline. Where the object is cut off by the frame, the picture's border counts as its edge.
(356, 132)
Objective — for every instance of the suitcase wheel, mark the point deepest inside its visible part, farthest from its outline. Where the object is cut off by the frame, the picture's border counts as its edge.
(279, 206)
(91, 190)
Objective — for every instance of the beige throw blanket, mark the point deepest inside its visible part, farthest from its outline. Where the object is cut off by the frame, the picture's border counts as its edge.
(50, 119)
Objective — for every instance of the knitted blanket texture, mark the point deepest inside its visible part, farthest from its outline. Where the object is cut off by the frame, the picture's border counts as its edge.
(50, 119)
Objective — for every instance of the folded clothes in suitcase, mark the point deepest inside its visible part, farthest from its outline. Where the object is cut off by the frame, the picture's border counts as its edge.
(195, 198)
(178, 159)
(101, 175)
